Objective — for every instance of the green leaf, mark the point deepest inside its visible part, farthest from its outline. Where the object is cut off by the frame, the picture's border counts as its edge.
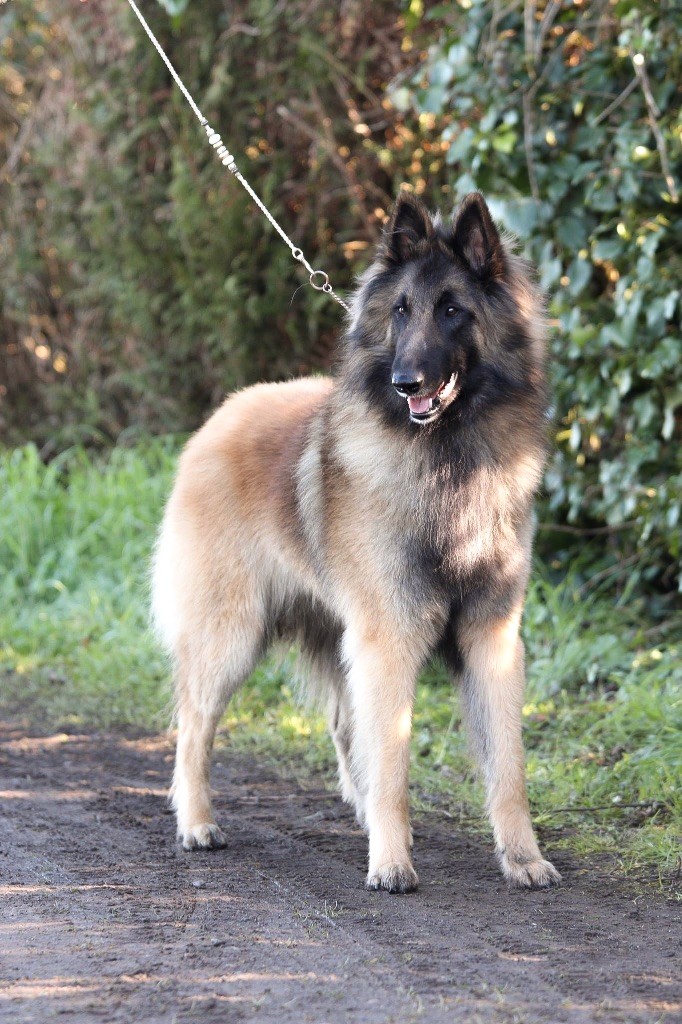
(433, 99)
(607, 249)
(603, 199)
(461, 147)
(668, 423)
(505, 141)
(441, 73)
(174, 7)
(517, 215)
(580, 274)
(572, 232)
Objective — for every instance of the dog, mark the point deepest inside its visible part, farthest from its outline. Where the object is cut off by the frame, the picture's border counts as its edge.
(378, 518)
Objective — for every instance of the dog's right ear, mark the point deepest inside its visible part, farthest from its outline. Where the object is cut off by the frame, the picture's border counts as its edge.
(408, 228)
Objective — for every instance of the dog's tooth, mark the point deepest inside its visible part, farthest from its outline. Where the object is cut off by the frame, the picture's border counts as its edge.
(449, 387)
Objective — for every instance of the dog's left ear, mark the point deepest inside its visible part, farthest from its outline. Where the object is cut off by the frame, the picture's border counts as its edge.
(410, 225)
(476, 239)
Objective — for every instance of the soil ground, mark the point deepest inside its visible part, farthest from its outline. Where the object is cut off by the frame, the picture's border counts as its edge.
(105, 918)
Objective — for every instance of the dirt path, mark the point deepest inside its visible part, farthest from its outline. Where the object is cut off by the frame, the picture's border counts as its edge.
(105, 919)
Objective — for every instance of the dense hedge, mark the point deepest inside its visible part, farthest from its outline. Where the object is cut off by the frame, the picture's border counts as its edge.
(137, 284)
(569, 116)
(130, 261)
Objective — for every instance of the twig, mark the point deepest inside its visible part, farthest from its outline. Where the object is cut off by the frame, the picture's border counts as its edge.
(601, 23)
(662, 627)
(327, 143)
(239, 28)
(639, 65)
(529, 9)
(617, 102)
(613, 570)
(654, 804)
(548, 17)
(537, 82)
(587, 531)
(342, 69)
(528, 96)
(9, 110)
(487, 47)
(23, 136)
(528, 127)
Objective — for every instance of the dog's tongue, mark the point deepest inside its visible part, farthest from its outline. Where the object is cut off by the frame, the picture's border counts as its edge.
(419, 405)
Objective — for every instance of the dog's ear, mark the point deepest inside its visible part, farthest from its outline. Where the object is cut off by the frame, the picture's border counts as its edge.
(409, 226)
(476, 239)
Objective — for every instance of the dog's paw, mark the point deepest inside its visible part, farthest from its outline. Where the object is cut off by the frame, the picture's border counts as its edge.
(396, 878)
(203, 837)
(529, 874)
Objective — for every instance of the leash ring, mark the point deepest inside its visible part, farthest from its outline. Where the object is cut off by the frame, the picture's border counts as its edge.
(325, 285)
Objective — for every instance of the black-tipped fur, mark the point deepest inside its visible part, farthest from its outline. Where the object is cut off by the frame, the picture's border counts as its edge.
(378, 520)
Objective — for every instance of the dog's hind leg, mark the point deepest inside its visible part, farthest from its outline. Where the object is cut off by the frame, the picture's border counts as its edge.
(493, 683)
(342, 729)
(210, 668)
(327, 687)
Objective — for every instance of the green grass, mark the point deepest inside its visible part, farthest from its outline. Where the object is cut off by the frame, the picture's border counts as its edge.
(603, 716)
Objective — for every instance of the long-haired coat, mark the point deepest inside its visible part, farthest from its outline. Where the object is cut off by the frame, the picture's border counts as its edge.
(378, 519)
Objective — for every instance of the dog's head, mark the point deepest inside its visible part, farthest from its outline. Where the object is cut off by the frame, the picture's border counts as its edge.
(447, 317)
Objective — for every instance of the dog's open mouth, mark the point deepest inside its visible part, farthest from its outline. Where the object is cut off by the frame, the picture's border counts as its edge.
(426, 407)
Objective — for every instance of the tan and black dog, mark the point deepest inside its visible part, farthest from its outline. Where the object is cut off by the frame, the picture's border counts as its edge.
(378, 519)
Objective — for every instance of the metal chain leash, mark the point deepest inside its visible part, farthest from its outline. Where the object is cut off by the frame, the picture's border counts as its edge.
(318, 279)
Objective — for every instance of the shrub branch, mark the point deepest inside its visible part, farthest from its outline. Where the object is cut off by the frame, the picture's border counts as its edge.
(639, 65)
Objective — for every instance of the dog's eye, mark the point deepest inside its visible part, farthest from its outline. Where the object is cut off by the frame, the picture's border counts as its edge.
(452, 310)
(401, 309)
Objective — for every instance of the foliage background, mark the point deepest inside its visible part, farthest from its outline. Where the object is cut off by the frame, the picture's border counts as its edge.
(138, 285)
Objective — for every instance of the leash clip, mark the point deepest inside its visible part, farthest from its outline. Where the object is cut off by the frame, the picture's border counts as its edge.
(325, 286)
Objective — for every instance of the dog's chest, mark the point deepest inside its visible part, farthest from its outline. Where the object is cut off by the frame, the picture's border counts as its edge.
(425, 527)
(465, 533)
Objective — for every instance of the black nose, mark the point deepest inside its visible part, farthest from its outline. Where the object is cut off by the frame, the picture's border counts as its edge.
(406, 383)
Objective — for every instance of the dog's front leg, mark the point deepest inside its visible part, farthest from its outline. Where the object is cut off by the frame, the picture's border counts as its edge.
(382, 682)
(493, 684)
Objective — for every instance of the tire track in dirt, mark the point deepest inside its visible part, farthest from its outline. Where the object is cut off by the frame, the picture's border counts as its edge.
(106, 919)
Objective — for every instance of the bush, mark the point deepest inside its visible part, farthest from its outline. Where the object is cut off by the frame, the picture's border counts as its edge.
(568, 116)
(138, 284)
(137, 281)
